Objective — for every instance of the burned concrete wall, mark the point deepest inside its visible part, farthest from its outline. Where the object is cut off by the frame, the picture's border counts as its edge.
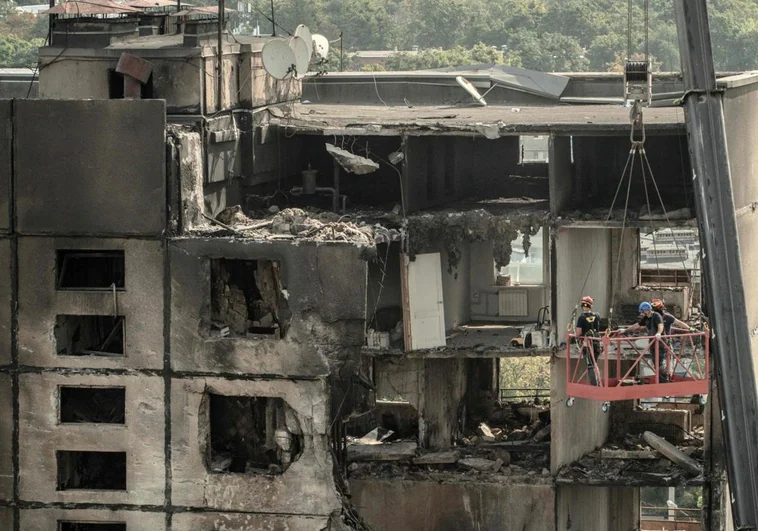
(139, 437)
(257, 87)
(6, 438)
(306, 487)
(449, 506)
(42, 300)
(326, 290)
(231, 521)
(103, 160)
(597, 508)
(44, 518)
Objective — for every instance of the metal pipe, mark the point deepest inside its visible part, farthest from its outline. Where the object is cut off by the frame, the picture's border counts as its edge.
(719, 240)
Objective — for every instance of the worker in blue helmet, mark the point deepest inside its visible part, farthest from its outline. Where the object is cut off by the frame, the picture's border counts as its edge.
(652, 322)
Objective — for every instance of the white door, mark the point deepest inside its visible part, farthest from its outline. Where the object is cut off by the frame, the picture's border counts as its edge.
(423, 311)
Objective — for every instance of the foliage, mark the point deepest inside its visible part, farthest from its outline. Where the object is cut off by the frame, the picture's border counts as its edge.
(524, 373)
(559, 35)
(17, 52)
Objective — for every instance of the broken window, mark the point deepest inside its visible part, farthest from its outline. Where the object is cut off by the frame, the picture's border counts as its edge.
(526, 266)
(89, 335)
(104, 405)
(92, 526)
(91, 470)
(525, 379)
(91, 270)
(534, 149)
(249, 434)
(247, 299)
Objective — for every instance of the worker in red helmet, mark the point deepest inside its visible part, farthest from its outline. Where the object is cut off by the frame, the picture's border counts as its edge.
(588, 325)
(668, 319)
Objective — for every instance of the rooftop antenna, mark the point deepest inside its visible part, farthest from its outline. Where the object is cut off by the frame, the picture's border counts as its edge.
(303, 32)
(468, 87)
(273, 20)
(278, 59)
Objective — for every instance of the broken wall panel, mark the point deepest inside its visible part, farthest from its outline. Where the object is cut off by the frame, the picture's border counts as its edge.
(140, 440)
(306, 487)
(444, 387)
(252, 434)
(561, 173)
(105, 160)
(599, 163)
(40, 304)
(326, 285)
(49, 518)
(454, 506)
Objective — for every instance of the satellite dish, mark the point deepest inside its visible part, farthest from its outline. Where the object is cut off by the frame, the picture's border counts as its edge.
(302, 57)
(304, 33)
(278, 59)
(320, 46)
(468, 87)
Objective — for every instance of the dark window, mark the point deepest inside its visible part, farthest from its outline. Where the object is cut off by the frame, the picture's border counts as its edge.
(251, 433)
(93, 404)
(89, 335)
(247, 299)
(79, 526)
(91, 470)
(90, 269)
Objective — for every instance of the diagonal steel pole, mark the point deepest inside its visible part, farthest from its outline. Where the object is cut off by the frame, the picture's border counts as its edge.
(718, 236)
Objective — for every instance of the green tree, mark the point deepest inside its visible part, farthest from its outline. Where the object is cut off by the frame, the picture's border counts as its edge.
(17, 52)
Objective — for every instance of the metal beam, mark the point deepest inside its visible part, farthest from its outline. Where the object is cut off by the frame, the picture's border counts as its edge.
(718, 236)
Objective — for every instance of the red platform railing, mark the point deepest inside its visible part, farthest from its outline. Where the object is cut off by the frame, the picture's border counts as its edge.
(619, 363)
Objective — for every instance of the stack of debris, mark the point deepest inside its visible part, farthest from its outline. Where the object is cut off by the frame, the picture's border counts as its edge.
(295, 223)
(645, 460)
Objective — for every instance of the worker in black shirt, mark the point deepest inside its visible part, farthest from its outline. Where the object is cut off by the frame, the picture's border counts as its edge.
(668, 319)
(652, 322)
(588, 325)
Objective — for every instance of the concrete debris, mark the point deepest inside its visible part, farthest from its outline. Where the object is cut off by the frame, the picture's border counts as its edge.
(437, 458)
(490, 131)
(608, 453)
(295, 223)
(671, 452)
(351, 162)
(482, 465)
(681, 213)
(396, 451)
(486, 432)
(376, 436)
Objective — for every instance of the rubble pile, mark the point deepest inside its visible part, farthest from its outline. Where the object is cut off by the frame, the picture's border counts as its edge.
(296, 223)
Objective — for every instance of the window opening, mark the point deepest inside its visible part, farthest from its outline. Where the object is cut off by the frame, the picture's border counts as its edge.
(249, 434)
(671, 507)
(89, 335)
(247, 299)
(526, 266)
(93, 526)
(91, 470)
(669, 256)
(90, 269)
(534, 148)
(93, 404)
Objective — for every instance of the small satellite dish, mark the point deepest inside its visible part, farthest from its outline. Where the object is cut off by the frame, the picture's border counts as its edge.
(278, 59)
(302, 57)
(468, 87)
(320, 46)
(304, 33)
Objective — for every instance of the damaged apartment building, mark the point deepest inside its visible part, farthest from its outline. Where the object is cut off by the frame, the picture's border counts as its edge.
(237, 302)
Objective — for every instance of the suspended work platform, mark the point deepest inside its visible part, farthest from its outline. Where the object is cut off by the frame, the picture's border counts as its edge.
(628, 368)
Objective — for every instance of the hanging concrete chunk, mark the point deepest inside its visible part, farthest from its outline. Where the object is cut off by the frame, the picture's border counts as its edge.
(350, 162)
